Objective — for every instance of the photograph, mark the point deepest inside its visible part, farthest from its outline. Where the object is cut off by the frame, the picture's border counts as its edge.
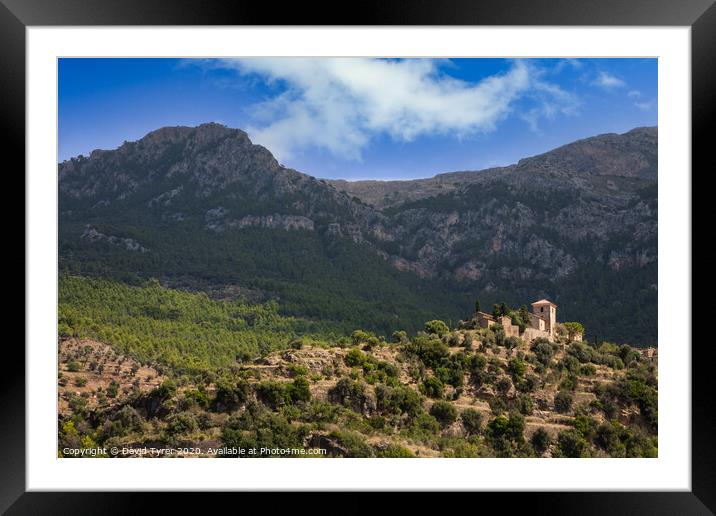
(357, 257)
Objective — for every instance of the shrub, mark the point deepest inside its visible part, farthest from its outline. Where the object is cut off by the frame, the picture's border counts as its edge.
(433, 387)
(585, 425)
(543, 350)
(229, 395)
(182, 423)
(349, 393)
(503, 385)
(525, 405)
(354, 444)
(517, 367)
(570, 443)
(297, 370)
(498, 406)
(471, 421)
(607, 438)
(273, 393)
(166, 390)
(80, 381)
(527, 384)
(112, 389)
(477, 362)
(588, 370)
(540, 440)
(436, 327)
(512, 342)
(505, 434)
(569, 382)
(359, 337)
(257, 428)
(73, 366)
(571, 364)
(355, 357)
(395, 451)
(563, 401)
(399, 337)
(424, 425)
(398, 400)
(431, 351)
(451, 373)
(278, 394)
(299, 390)
(444, 412)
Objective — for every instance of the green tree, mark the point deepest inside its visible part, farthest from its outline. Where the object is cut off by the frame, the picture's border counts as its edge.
(543, 351)
(573, 329)
(444, 412)
(570, 443)
(496, 311)
(300, 390)
(563, 401)
(400, 336)
(471, 421)
(505, 434)
(433, 387)
(113, 389)
(540, 440)
(355, 357)
(436, 327)
(524, 314)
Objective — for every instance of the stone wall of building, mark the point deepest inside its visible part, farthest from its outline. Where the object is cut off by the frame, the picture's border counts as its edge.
(531, 334)
(511, 330)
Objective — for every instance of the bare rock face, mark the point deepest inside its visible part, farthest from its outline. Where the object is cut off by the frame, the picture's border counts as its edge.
(538, 212)
(129, 244)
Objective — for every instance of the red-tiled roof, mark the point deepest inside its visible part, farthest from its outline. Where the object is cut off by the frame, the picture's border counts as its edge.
(543, 302)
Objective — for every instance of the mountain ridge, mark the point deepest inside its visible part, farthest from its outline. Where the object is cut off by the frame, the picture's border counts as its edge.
(369, 190)
(208, 205)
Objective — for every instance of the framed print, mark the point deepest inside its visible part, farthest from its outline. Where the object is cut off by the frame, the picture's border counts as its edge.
(422, 248)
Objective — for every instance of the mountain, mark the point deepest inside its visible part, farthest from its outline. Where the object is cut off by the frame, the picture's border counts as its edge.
(628, 155)
(205, 209)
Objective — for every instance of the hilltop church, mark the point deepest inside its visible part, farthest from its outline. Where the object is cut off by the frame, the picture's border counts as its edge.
(542, 322)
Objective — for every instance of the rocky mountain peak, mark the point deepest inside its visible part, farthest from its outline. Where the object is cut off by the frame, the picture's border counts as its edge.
(632, 154)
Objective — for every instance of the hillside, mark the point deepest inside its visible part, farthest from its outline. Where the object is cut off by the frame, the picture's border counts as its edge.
(204, 209)
(135, 382)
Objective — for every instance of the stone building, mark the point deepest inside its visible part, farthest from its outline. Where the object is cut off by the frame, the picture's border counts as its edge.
(485, 320)
(650, 353)
(542, 322)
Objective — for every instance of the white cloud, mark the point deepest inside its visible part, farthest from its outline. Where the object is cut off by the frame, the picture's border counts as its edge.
(608, 81)
(636, 97)
(575, 64)
(644, 106)
(339, 104)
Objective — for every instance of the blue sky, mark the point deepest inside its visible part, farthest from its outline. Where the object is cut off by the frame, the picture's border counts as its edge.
(358, 118)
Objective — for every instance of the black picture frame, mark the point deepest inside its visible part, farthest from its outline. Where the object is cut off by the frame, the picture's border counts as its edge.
(17, 15)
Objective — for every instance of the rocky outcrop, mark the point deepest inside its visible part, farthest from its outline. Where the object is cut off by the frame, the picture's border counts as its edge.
(129, 244)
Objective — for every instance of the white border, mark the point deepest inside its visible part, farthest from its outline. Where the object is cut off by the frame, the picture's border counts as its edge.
(671, 471)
